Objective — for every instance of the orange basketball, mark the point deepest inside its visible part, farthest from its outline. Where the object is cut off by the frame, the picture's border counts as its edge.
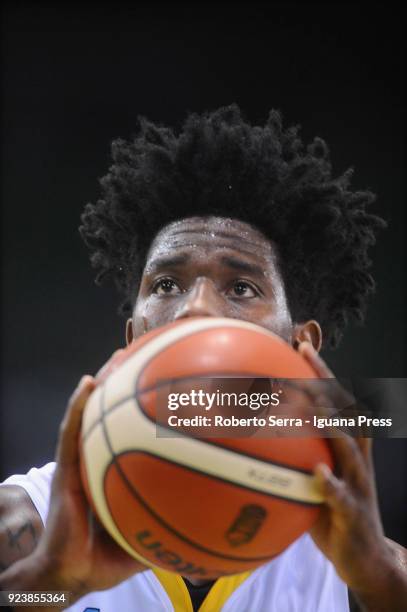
(199, 506)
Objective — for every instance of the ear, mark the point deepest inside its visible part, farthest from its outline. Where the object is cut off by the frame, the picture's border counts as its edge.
(129, 331)
(309, 331)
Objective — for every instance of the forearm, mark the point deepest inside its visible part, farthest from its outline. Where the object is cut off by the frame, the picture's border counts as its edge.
(34, 574)
(390, 590)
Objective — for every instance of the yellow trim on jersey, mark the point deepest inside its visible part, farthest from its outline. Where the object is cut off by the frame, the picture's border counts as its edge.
(219, 593)
(176, 590)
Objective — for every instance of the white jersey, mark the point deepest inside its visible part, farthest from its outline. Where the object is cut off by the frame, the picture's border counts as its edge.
(301, 579)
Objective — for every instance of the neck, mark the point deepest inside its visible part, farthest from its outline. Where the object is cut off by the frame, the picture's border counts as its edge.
(198, 581)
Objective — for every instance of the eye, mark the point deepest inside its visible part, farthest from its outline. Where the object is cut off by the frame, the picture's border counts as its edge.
(242, 289)
(166, 286)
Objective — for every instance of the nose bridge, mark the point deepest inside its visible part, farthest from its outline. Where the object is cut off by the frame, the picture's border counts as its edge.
(201, 300)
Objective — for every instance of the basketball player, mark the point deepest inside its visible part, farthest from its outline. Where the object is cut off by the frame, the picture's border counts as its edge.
(229, 220)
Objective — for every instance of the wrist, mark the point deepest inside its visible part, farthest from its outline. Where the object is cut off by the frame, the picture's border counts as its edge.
(36, 572)
(389, 592)
(32, 573)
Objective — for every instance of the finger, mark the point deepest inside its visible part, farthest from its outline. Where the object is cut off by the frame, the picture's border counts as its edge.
(350, 463)
(365, 446)
(334, 491)
(345, 449)
(310, 354)
(331, 388)
(326, 397)
(67, 450)
(328, 393)
(118, 556)
(105, 369)
(347, 455)
(351, 457)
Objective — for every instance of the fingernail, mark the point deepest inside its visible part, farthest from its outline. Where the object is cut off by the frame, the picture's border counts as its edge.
(322, 471)
(304, 346)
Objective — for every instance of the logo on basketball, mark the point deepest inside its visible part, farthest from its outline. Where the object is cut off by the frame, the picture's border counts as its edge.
(246, 525)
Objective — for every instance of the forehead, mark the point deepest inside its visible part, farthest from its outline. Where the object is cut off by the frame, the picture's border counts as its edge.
(209, 233)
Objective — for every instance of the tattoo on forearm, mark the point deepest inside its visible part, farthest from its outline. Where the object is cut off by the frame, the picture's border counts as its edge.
(15, 539)
(18, 538)
(19, 542)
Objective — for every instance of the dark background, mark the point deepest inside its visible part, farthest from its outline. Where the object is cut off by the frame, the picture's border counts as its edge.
(76, 76)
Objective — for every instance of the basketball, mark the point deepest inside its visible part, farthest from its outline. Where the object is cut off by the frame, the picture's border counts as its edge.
(199, 506)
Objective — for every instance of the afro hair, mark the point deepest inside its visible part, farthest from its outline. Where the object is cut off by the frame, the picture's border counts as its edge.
(219, 164)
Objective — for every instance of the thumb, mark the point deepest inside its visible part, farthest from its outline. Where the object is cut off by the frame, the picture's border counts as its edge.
(67, 454)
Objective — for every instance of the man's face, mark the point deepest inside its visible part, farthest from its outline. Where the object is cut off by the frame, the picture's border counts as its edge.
(212, 267)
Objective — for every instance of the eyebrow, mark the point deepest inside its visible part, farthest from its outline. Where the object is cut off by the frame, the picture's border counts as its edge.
(227, 260)
(243, 266)
(167, 262)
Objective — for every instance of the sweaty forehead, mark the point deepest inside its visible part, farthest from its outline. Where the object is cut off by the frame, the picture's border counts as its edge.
(212, 232)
